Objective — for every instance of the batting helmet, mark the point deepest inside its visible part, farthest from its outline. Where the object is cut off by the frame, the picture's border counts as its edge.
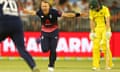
(95, 5)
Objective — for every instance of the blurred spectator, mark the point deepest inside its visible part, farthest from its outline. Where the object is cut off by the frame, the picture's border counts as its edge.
(114, 11)
(75, 7)
(32, 23)
(62, 2)
(63, 6)
(69, 8)
(115, 19)
(114, 5)
(83, 5)
(29, 5)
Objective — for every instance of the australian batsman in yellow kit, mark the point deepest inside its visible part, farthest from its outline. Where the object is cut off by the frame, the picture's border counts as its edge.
(100, 35)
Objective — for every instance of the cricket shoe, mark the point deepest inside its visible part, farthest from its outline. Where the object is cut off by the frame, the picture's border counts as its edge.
(95, 69)
(36, 69)
(109, 67)
(50, 69)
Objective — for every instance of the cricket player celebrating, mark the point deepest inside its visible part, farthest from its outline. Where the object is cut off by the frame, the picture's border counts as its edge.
(100, 33)
(49, 29)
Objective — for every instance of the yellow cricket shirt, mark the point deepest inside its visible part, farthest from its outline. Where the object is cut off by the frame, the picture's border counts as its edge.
(99, 17)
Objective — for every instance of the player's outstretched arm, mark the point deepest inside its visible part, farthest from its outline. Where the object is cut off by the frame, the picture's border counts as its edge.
(84, 14)
(30, 12)
(69, 15)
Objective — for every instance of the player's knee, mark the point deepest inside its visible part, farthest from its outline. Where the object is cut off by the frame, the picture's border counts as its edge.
(95, 44)
(96, 50)
(103, 42)
(104, 49)
(44, 49)
(23, 53)
(96, 47)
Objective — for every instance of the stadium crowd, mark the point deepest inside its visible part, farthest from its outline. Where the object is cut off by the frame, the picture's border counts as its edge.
(32, 23)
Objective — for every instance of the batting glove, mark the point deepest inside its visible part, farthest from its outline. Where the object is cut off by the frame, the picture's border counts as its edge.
(92, 36)
(108, 34)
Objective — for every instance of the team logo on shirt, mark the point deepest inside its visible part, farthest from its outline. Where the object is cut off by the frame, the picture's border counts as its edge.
(47, 22)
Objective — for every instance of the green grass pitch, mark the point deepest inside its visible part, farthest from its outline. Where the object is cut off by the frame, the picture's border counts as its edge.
(61, 66)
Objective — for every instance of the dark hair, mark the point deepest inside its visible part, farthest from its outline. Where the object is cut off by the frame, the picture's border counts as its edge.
(45, 2)
(61, 2)
(95, 3)
(115, 2)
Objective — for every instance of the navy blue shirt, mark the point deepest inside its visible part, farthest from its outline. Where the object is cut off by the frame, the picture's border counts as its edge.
(8, 10)
(50, 19)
